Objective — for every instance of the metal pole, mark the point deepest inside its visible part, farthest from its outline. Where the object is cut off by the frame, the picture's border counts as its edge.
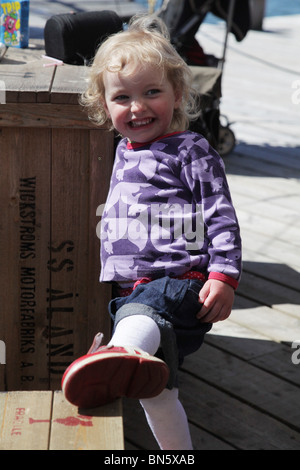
(228, 29)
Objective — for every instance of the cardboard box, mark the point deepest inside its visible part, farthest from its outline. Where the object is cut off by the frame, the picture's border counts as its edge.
(14, 23)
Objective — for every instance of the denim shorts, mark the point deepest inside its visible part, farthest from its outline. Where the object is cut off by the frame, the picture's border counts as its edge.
(173, 304)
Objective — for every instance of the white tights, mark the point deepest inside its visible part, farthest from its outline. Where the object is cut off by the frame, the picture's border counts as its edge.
(167, 420)
(165, 413)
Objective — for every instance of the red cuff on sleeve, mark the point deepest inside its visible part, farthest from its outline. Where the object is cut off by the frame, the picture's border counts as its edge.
(223, 277)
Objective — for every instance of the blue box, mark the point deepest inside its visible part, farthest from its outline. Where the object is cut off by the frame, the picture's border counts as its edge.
(156, 4)
(14, 23)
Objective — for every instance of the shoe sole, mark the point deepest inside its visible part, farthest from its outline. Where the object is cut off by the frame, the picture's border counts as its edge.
(96, 380)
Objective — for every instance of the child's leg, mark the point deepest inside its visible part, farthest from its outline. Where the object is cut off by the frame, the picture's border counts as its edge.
(165, 414)
(167, 420)
(139, 331)
(125, 367)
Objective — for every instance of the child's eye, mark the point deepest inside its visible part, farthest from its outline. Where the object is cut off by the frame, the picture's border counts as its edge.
(120, 98)
(153, 91)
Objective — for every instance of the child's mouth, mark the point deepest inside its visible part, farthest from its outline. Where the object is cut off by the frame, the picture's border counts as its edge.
(141, 122)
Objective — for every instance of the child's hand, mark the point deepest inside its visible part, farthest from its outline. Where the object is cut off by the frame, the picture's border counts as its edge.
(217, 298)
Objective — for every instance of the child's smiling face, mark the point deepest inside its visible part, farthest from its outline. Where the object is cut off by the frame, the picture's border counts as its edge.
(141, 104)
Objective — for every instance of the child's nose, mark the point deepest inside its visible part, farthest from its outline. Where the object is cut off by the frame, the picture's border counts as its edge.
(137, 106)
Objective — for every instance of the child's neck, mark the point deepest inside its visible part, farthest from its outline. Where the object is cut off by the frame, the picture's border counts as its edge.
(133, 145)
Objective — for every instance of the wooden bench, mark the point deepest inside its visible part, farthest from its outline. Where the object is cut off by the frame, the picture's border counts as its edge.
(44, 420)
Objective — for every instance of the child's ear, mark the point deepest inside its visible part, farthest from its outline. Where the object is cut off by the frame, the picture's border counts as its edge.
(105, 108)
(178, 98)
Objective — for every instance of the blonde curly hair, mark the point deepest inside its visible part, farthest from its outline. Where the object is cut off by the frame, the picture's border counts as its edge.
(145, 42)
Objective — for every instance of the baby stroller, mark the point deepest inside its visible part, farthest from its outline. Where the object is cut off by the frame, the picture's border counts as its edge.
(183, 19)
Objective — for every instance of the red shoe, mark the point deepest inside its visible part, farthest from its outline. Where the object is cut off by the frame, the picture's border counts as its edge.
(113, 372)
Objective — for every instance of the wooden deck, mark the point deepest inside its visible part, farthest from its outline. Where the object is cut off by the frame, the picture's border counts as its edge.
(241, 390)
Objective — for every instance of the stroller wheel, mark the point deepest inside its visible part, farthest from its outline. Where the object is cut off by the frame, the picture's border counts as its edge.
(226, 141)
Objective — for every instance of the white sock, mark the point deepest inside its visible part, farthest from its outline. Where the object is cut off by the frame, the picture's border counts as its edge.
(168, 421)
(139, 331)
(165, 413)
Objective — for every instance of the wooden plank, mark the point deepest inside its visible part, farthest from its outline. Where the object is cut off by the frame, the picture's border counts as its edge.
(279, 362)
(44, 420)
(248, 383)
(25, 420)
(235, 422)
(69, 249)
(44, 115)
(283, 156)
(266, 292)
(3, 398)
(97, 429)
(68, 83)
(262, 163)
(276, 325)
(24, 229)
(28, 81)
(266, 188)
(264, 208)
(101, 158)
(270, 247)
(271, 266)
(275, 227)
(272, 357)
(269, 187)
(239, 340)
(78, 304)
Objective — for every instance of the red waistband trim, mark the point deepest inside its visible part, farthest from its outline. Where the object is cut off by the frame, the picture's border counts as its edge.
(145, 280)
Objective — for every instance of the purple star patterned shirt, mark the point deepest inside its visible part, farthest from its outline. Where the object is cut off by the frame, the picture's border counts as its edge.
(169, 211)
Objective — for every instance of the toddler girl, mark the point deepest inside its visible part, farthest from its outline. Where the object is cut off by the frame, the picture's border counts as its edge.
(170, 241)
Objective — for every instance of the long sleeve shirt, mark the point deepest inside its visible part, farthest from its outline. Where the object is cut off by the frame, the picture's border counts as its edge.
(168, 211)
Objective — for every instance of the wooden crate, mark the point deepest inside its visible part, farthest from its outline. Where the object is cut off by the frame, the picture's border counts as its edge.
(55, 172)
(44, 420)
